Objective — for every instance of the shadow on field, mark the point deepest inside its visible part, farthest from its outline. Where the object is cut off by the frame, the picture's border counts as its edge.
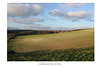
(9, 40)
(13, 52)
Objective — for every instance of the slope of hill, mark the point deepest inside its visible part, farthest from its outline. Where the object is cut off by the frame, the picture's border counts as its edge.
(30, 45)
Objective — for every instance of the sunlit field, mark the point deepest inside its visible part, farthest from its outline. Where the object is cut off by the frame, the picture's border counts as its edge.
(68, 46)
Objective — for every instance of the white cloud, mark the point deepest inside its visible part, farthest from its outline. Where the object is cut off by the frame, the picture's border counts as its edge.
(25, 20)
(23, 10)
(71, 16)
(37, 27)
(72, 5)
(56, 12)
(78, 14)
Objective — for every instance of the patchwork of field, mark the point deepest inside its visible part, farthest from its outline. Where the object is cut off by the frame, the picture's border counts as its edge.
(58, 41)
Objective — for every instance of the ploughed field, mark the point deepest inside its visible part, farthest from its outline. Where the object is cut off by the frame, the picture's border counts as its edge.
(50, 46)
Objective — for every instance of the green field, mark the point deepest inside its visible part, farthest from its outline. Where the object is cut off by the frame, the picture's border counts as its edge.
(45, 44)
(80, 54)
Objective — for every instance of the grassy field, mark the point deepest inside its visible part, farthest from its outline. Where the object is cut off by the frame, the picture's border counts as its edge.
(80, 54)
(80, 42)
(58, 41)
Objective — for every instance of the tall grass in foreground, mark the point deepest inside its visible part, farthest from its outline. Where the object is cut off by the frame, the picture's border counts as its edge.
(80, 54)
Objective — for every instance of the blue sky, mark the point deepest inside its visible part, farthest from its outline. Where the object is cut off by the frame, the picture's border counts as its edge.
(50, 16)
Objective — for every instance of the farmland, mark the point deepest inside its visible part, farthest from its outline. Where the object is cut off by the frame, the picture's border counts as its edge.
(67, 46)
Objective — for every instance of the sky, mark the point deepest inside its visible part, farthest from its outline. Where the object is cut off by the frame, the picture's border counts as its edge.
(50, 16)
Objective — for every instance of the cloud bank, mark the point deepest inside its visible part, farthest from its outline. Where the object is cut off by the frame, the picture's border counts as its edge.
(37, 27)
(23, 10)
(25, 20)
(71, 16)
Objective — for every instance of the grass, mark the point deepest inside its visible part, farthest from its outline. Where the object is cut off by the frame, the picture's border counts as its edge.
(68, 46)
(80, 54)
(75, 39)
